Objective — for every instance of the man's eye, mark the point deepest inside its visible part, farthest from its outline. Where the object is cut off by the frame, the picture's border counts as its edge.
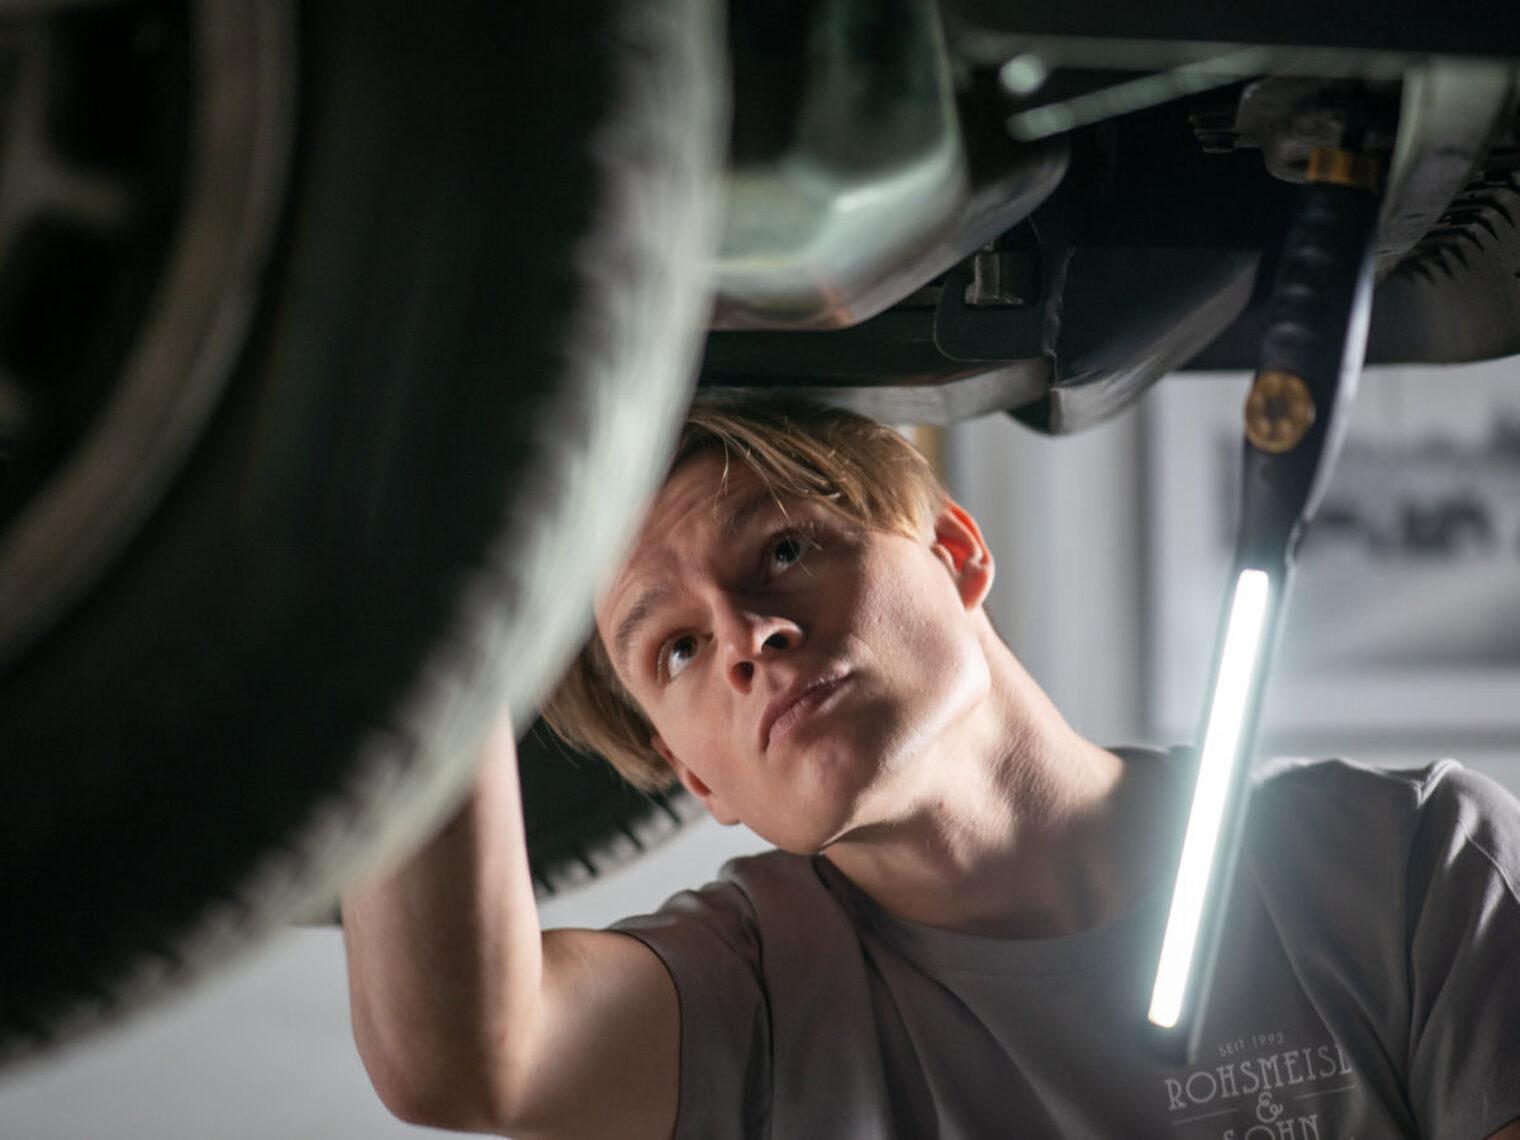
(679, 652)
(790, 549)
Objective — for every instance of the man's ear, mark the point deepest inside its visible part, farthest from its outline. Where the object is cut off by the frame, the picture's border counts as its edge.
(695, 785)
(959, 543)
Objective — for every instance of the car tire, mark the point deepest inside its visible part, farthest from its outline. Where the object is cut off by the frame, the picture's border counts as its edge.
(459, 362)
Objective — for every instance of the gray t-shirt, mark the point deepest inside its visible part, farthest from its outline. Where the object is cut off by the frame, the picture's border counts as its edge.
(1368, 987)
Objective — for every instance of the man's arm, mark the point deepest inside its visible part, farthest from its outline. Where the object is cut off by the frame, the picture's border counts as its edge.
(467, 1017)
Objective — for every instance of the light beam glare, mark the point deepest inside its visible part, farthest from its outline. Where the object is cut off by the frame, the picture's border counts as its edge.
(1221, 752)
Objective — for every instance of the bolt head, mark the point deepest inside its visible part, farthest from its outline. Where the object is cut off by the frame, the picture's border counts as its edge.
(1279, 411)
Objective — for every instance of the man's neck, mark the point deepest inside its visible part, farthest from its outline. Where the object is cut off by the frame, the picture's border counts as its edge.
(1017, 827)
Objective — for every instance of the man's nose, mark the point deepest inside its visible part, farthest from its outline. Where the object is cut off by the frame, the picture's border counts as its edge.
(754, 639)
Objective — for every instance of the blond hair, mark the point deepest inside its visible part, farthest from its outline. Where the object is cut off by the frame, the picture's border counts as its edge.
(862, 469)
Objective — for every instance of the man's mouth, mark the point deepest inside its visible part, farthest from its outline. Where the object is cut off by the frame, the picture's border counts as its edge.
(787, 709)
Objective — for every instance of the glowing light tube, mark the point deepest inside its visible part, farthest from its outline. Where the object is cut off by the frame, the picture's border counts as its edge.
(1221, 752)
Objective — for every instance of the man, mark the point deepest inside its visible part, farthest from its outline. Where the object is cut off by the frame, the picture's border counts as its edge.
(957, 935)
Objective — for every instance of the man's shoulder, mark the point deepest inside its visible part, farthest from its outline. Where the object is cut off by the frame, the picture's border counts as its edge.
(771, 864)
(1443, 785)
(1308, 790)
(1358, 817)
(1343, 776)
(780, 884)
(744, 890)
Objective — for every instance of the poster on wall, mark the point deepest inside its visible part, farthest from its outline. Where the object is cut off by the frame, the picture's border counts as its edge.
(1403, 622)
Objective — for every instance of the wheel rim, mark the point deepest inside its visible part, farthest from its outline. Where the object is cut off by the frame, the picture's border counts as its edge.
(141, 250)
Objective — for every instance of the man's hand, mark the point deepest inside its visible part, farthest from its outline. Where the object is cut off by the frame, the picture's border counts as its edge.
(467, 1017)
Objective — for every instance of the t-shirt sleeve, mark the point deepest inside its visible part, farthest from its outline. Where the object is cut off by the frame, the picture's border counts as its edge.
(709, 943)
(1463, 915)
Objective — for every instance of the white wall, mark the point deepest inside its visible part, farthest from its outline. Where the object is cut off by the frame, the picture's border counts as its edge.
(1063, 518)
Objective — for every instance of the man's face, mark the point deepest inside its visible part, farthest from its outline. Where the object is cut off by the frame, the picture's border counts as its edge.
(793, 665)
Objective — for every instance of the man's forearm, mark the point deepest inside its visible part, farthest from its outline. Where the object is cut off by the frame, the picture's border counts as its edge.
(445, 960)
